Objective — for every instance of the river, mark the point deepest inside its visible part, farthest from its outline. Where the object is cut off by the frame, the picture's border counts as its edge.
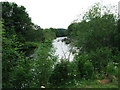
(63, 50)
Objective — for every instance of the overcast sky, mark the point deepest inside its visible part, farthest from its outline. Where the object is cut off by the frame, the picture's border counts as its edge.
(57, 13)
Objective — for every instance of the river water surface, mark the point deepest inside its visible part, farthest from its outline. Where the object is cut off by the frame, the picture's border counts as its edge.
(63, 50)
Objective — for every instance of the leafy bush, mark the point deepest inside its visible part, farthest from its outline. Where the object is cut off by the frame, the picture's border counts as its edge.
(34, 35)
(42, 65)
(89, 69)
(100, 58)
(116, 57)
(80, 62)
(60, 73)
(73, 71)
(112, 69)
(85, 67)
(16, 66)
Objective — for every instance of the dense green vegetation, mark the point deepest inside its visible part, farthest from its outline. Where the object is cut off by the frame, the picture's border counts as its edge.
(28, 62)
(21, 40)
(97, 37)
(61, 32)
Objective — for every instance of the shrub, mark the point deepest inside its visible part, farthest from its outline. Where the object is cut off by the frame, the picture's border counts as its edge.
(60, 73)
(89, 69)
(43, 64)
(85, 67)
(73, 71)
(112, 68)
(100, 58)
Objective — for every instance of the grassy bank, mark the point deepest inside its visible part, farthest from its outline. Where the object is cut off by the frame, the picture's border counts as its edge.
(87, 84)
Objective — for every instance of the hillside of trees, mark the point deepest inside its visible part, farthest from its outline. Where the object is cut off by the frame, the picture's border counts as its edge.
(27, 60)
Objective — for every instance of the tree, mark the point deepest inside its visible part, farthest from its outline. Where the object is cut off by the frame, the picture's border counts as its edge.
(15, 17)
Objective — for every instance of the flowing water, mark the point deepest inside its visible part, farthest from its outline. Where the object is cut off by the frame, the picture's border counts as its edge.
(63, 50)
